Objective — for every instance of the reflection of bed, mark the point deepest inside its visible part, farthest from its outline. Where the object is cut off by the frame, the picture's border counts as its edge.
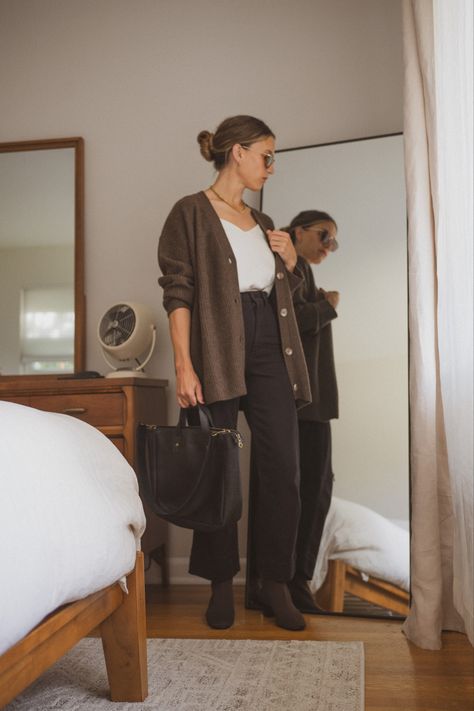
(362, 554)
(342, 579)
(70, 522)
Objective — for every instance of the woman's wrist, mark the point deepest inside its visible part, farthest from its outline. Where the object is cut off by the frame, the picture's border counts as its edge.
(182, 366)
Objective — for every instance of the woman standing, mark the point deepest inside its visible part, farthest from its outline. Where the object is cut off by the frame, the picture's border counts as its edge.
(314, 235)
(228, 282)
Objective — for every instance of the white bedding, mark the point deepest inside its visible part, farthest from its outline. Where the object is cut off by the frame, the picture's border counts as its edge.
(366, 540)
(70, 515)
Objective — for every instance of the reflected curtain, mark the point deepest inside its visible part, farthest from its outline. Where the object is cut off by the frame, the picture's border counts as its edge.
(438, 38)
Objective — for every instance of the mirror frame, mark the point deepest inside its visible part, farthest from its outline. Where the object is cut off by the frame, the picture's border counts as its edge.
(79, 296)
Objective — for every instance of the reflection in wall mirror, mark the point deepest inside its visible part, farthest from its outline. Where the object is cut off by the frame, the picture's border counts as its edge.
(363, 560)
(41, 257)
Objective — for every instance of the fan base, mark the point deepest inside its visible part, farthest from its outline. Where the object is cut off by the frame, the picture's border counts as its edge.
(126, 374)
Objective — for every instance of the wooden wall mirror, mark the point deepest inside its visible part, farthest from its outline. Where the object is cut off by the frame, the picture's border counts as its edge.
(42, 303)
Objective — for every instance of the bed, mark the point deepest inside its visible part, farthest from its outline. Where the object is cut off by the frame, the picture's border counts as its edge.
(70, 527)
(364, 554)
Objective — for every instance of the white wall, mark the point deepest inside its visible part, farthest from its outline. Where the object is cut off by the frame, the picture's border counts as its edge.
(139, 79)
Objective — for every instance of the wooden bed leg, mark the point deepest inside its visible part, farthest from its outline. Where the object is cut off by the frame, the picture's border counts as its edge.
(338, 580)
(124, 641)
(330, 596)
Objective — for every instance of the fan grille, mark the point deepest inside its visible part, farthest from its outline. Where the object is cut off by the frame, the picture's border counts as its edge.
(117, 325)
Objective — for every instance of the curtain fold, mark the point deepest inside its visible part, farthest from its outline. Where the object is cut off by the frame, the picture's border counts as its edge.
(438, 155)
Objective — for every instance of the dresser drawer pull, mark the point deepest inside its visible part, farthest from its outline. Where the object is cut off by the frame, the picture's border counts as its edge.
(75, 410)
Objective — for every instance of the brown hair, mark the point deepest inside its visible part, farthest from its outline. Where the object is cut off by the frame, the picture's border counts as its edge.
(306, 219)
(245, 130)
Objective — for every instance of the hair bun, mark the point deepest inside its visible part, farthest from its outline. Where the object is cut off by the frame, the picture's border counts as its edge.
(205, 140)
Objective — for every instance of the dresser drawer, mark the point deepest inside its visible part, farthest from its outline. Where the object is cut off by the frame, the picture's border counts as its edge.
(104, 409)
(119, 443)
(17, 400)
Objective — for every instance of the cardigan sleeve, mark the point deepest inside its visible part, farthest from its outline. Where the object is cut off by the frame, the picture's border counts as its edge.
(175, 260)
(295, 278)
(311, 315)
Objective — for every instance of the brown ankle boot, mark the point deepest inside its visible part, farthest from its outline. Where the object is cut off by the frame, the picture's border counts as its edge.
(276, 600)
(220, 611)
(302, 596)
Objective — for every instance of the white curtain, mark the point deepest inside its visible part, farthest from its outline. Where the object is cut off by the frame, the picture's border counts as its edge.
(438, 40)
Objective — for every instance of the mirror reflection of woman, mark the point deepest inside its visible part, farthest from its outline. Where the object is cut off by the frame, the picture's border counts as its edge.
(228, 282)
(314, 235)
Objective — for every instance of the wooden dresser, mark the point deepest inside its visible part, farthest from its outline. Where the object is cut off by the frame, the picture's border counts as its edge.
(114, 406)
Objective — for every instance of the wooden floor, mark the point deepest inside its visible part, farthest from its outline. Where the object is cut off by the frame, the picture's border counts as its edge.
(398, 675)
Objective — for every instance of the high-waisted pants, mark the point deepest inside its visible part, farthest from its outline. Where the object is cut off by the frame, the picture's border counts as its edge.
(270, 411)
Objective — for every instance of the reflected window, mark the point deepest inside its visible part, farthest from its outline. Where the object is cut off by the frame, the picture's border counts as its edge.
(47, 330)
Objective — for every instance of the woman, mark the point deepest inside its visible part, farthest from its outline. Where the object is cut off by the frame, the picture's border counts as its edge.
(314, 235)
(228, 281)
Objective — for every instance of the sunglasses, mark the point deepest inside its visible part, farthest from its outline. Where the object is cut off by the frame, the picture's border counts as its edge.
(268, 158)
(326, 240)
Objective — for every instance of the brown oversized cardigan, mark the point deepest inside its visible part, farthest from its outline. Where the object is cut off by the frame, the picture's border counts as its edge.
(314, 314)
(200, 273)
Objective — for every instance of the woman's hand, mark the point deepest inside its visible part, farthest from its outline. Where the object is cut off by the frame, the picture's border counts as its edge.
(188, 387)
(332, 297)
(280, 242)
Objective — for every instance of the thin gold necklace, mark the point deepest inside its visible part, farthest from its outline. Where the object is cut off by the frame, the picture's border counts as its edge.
(238, 209)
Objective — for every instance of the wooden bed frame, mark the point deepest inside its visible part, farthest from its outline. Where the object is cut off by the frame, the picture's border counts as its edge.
(122, 622)
(342, 578)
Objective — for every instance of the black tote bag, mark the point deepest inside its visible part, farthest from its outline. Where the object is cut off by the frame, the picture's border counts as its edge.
(189, 474)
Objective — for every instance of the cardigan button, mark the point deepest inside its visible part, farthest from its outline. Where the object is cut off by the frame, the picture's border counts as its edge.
(230, 260)
(280, 275)
(283, 312)
(295, 387)
(289, 351)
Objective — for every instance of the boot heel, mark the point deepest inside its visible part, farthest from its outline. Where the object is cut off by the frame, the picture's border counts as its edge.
(263, 606)
(276, 597)
(266, 610)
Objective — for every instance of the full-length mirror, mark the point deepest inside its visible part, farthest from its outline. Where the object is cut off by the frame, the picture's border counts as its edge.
(362, 563)
(41, 257)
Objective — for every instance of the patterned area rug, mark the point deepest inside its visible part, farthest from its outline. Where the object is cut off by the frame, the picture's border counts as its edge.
(211, 675)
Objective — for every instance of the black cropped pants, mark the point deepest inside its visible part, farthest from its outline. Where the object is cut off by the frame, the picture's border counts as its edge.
(270, 411)
(316, 486)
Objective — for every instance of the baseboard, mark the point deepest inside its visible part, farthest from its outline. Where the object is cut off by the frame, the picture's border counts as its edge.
(178, 569)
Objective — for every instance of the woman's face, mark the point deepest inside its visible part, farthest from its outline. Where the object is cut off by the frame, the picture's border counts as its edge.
(309, 241)
(251, 162)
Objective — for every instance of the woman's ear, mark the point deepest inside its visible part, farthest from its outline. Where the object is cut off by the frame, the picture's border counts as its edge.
(237, 152)
(298, 232)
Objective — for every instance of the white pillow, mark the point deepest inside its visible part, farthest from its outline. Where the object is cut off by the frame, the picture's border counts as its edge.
(366, 540)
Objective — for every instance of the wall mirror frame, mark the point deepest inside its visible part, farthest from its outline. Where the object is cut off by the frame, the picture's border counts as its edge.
(365, 544)
(77, 200)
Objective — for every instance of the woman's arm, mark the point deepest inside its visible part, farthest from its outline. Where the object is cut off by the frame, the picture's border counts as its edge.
(312, 316)
(314, 308)
(175, 259)
(188, 386)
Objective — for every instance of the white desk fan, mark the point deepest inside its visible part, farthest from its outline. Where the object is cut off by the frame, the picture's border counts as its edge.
(126, 331)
